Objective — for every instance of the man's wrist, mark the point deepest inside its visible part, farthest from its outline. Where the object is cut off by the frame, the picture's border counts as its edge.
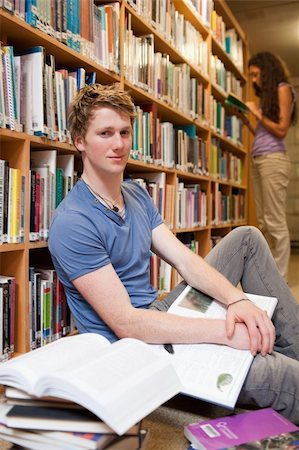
(237, 301)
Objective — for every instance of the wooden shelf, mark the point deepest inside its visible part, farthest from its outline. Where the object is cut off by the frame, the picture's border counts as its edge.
(17, 146)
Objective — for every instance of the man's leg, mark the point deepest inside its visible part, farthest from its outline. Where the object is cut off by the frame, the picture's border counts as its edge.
(273, 381)
(244, 256)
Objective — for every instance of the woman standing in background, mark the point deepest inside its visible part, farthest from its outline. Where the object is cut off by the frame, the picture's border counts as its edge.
(270, 163)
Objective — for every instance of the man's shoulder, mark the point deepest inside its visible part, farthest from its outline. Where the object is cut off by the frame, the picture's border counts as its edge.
(131, 186)
(73, 205)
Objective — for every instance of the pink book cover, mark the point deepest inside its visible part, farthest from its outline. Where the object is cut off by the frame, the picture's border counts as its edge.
(234, 430)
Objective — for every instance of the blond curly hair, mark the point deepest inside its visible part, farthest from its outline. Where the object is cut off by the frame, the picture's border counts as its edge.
(90, 98)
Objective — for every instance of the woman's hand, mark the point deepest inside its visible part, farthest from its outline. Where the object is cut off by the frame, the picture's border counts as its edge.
(254, 110)
(259, 326)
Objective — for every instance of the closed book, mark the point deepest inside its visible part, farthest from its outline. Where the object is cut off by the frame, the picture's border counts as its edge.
(9, 86)
(231, 431)
(64, 440)
(51, 418)
(32, 70)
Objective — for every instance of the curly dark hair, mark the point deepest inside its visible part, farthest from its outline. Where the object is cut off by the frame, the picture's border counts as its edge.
(273, 72)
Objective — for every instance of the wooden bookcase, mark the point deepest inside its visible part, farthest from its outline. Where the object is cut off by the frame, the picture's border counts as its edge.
(16, 146)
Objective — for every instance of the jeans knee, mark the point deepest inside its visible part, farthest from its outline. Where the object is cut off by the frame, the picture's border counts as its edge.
(250, 231)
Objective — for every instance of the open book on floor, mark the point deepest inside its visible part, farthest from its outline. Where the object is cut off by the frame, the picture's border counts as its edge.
(211, 372)
(120, 383)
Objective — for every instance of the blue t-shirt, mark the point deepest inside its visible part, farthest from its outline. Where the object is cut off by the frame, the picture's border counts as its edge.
(85, 236)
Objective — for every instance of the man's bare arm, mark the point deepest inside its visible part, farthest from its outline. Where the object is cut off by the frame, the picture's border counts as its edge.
(106, 294)
(199, 274)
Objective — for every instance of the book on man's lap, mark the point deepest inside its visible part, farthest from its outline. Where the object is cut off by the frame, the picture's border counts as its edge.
(211, 372)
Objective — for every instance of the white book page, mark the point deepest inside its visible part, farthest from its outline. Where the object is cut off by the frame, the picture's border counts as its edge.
(192, 303)
(212, 372)
(24, 371)
(121, 384)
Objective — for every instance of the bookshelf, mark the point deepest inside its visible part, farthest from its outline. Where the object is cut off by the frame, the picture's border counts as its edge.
(165, 104)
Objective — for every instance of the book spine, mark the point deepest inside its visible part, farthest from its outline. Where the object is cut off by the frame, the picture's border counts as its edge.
(6, 320)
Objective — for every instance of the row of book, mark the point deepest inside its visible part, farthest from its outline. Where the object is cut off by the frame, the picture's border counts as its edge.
(87, 28)
(34, 97)
(228, 39)
(160, 14)
(189, 200)
(93, 30)
(223, 78)
(226, 208)
(203, 9)
(49, 315)
(155, 73)
(52, 176)
(12, 201)
(160, 275)
(167, 145)
(176, 30)
(227, 125)
(191, 206)
(186, 40)
(46, 94)
(163, 15)
(7, 316)
(225, 165)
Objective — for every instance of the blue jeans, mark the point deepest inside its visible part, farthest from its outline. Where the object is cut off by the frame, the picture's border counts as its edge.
(243, 256)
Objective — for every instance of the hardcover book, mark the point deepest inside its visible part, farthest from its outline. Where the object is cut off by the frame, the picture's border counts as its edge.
(231, 431)
(58, 440)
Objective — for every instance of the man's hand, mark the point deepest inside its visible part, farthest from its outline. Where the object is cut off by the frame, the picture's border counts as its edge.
(260, 328)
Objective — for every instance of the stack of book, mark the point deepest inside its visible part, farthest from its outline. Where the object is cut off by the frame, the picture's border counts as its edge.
(81, 392)
(53, 424)
(61, 426)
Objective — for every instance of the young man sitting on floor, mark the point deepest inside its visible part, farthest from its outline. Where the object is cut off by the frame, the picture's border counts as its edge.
(100, 241)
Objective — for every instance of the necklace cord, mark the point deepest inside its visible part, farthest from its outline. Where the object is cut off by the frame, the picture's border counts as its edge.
(114, 206)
